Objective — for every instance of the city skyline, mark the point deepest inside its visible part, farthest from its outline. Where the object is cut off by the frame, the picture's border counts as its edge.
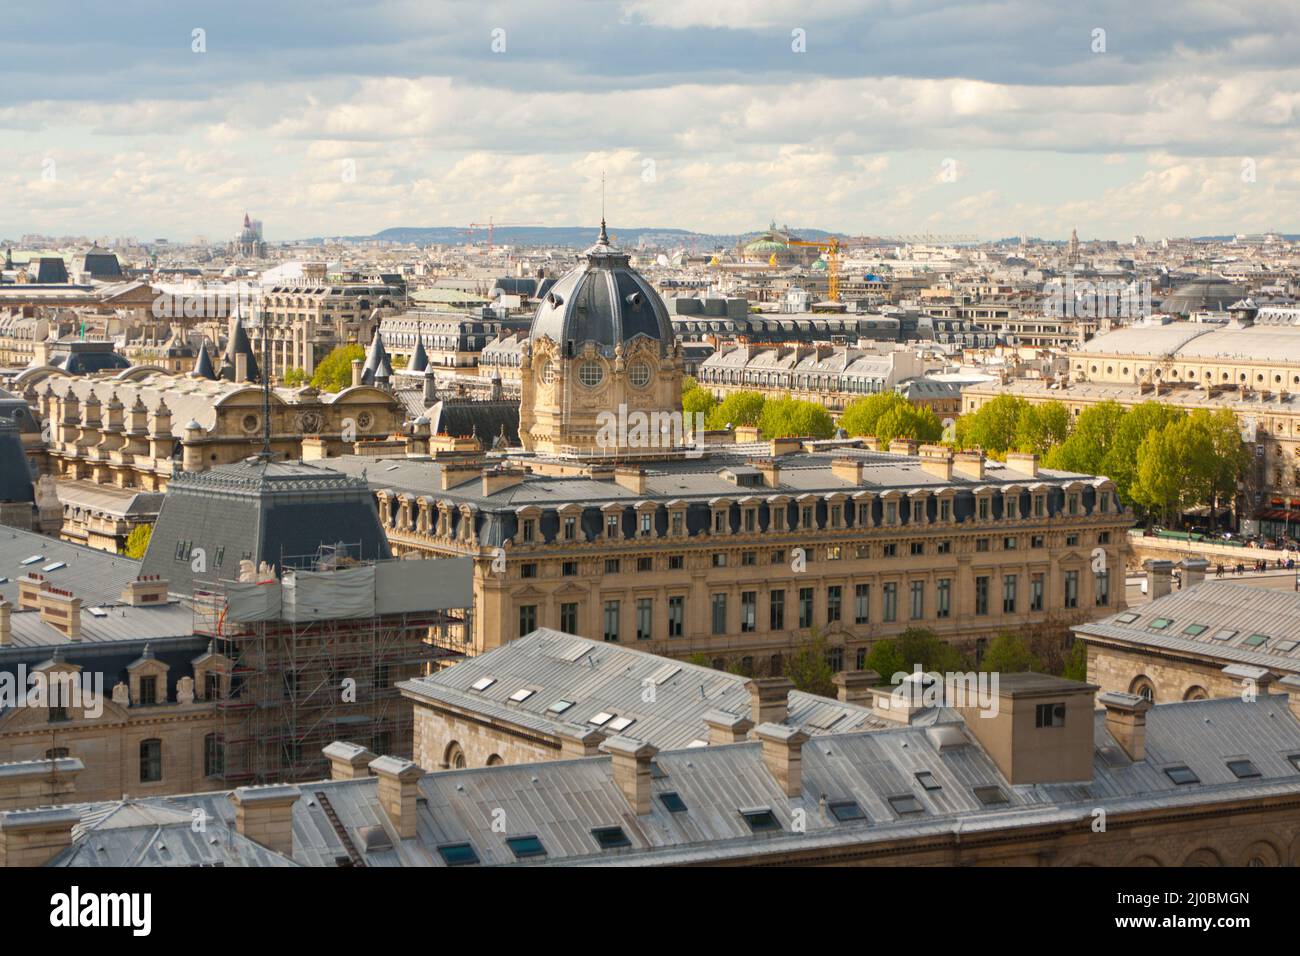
(859, 118)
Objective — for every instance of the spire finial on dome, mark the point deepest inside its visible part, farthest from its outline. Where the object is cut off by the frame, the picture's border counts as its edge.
(604, 236)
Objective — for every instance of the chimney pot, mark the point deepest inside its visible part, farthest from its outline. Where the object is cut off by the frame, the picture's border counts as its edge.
(348, 761)
(769, 699)
(631, 760)
(1126, 719)
(1159, 577)
(783, 755)
(265, 815)
(725, 728)
(854, 687)
(399, 785)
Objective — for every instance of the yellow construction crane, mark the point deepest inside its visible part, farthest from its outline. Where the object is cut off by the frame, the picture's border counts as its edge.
(832, 248)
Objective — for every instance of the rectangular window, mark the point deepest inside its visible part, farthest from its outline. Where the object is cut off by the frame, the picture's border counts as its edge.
(805, 607)
(150, 761)
(777, 556)
(748, 611)
(1036, 541)
(1103, 537)
(833, 603)
(719, 559)
(148, 691)
(1036, 592)
(862, 604)
(645, 564)
(530, 530)
(1049, 715)
(647, 523)
(1071, 588)
(570, 529)
(776, 610)
(918, 600)
(806, 519)
(611, 565)
(611, 620)
(891, 512)
(1040, 506)
(751, 519)
(945, 509)
(944, 599)
(778, 518)
(983, 509)
(889, 611)
(890, 550)
(569, 618)
(943, 547)
(678, 522)
(1102, 589)
(982, 595)
(527, 619)
(1008, 594)
(528, 569)
(864, 516)
(569, 569)
(1010, 504)
(748, 559)
(611, 526)
(918, 547)
(1071, 540)
(676, 615)
(918, 511)
(981, 544)
(1008, 544)
(676, 562)
(719, 522)
(837, 516)
(719, 614)
(643, 613)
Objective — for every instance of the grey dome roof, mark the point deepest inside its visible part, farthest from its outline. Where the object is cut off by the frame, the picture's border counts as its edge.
(605, 301)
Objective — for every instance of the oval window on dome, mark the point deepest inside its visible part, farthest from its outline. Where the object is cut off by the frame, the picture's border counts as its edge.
(591, 373)
(639, 374)
(548, 373)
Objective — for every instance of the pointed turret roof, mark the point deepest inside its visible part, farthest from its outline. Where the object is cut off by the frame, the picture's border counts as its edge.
(377, 364)
(238, 344)
(419, 361)
(203, 364)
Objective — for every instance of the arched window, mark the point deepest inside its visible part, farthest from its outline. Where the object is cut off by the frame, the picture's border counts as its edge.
(495, 760)
(150, 760)
(1143, 687)
(1196, 692)
(453, 758)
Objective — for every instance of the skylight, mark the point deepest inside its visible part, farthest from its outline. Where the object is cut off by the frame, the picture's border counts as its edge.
(620, 724)
(1181, 775)
(1243, 769)
(1160, 623)
(1282, 647)
(458, 854)
(525, 846)
(991, 795)
(560, 706)
(32, 560)
(1126, 619)
(521, 695)
(611, 838)
(97, 612)
(673, 803)
(905, 804)
(846, 810)
(55, 566)
(1255, 640)
(926, 779)
(761, 820)
(1195, 630)
(1226, 634)
(483, 683)
(601, 719)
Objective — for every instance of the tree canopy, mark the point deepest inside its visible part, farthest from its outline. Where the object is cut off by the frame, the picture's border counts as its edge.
(1009, 653)
(784, 417)
(334, 373)
(137, 542)
(738, 408)
(993, 426)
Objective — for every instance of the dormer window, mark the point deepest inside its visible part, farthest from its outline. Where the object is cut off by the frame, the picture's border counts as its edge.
(611, 526)
(1010, 505)
(837, 516)
(806, 517)
(529, 530)
(720, 522)
(891, 513)
(983, 509)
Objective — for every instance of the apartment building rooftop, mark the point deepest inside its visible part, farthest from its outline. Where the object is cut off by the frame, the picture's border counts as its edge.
(782, 798)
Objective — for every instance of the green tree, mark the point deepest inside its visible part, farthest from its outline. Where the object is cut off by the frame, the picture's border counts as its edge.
(916, 645)
(1175, 468)
(860, 416)
(293, 377)
(1040, 427)
(1009, 654)
(137, 542)
(908, 421)
(698, 401)
(738, 408)
(334, 373)
(809, 668)
(1076, 662)
(992, 427)
(1121, 459)
(1231, 456)
(784, 417)
(1091, 438)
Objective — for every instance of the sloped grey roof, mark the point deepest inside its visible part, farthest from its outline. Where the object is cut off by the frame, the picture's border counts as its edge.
(600, 677)
(95, 576)
(1219, 607)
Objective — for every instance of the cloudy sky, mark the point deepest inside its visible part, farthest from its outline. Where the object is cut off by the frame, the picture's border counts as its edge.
(872, 117)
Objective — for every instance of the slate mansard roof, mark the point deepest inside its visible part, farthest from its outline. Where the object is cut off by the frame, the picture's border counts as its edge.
(283, 513)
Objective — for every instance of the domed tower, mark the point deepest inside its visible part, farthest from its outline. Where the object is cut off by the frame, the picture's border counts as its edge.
(601, 342)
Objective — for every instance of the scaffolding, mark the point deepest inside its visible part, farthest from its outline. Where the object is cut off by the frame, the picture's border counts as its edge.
(301, 678)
